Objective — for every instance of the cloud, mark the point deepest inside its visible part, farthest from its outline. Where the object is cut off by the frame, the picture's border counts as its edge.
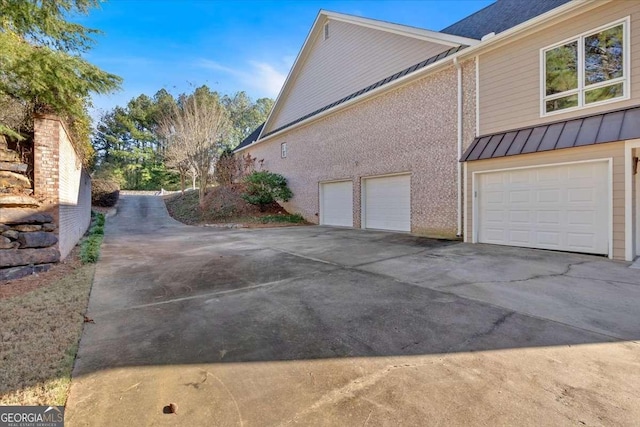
(264, 78)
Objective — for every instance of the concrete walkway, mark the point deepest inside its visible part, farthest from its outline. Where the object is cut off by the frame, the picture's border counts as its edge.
(325, 326)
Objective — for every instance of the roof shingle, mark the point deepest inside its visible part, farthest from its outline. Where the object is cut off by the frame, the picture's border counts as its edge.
(500, 16)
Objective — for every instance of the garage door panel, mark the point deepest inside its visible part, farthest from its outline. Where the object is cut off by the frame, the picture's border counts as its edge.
(520, 177)
(519, 196)
(548, 178)
(548, 196)
(558, 207)
(495, 197)
(336, 200)
(548, 238)
(387, 203)
(581, 218)
(580, 241)
(523, 217)
(494, 235)
(520, 236)
(548, 217)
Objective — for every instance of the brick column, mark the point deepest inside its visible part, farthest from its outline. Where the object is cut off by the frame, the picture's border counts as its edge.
(46, 152)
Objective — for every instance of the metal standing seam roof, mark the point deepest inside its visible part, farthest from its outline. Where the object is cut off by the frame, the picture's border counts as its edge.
(600, 128)
(371, 87)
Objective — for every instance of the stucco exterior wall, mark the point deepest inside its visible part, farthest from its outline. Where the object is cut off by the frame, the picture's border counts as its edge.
(409, 129)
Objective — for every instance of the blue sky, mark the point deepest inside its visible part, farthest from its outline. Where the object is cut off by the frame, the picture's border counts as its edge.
(227, 45)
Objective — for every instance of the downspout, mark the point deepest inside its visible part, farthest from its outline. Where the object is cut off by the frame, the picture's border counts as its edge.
(459, 165)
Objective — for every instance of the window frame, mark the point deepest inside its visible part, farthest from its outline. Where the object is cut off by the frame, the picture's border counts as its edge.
(283, 150)
(581, 89)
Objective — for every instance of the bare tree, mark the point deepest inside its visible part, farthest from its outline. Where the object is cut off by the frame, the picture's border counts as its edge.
(195, 130)
(175, 158)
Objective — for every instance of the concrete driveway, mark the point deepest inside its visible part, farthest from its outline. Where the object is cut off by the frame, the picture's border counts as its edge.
(325, 326)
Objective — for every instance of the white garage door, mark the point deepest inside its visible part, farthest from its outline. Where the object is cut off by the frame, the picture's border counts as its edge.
(336, 203)
(559, 207)
(387, 203)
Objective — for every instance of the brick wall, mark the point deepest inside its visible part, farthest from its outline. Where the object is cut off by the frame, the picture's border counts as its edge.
(46, 156)
(60, 180)
(410, 129)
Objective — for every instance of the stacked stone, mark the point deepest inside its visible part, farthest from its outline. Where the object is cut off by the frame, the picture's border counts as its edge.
(27, 242)
(13, 177)
(27, 236)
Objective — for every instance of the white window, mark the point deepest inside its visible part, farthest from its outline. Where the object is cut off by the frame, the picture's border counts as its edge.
(283, 150)
(590, 69)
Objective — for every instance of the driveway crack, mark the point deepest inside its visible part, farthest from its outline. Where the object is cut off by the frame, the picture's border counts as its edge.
(534, 277)
(494, 326)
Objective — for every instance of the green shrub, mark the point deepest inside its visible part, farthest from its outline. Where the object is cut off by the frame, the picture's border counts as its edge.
(90, 247)
(264, 188)
(292, 218)
(104, 193)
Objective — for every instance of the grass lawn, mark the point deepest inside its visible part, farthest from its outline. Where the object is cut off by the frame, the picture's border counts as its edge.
(39, 336)
(41, 319)
(225, 205)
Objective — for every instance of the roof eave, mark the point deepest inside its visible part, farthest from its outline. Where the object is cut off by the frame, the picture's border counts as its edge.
(375, 92)
(432, 36)
(560, 11)
(404, 30)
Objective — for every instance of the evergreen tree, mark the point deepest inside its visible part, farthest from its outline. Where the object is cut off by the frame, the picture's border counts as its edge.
(41, 63)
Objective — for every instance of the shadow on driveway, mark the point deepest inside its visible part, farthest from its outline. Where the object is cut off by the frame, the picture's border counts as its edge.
(186, 301)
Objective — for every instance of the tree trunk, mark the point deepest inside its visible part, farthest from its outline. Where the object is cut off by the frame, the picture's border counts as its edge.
(182, 173)
(202, 191)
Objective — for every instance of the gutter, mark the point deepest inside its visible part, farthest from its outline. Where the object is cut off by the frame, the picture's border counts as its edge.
(540, 19)
(459, 164)
(406, 79)
(473, 50)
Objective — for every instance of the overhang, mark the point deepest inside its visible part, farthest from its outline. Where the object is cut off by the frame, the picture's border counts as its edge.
(600, 128)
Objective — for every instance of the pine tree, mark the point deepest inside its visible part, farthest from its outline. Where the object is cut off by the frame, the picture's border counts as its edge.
(41, 63)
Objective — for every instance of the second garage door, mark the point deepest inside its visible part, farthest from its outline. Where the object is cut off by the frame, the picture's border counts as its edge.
(555, 207)
(387, 203)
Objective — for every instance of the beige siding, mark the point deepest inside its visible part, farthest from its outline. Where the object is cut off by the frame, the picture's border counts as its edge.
(409, 129)
(352, 58)
(510, 93)
(601, 151)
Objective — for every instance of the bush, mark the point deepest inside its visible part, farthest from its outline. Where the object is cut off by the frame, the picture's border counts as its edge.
(264, 188)
(226, 168)
(292, 218)
(90, 247)
(104, 193)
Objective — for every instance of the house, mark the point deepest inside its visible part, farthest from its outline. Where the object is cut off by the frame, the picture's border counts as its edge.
(554, 162)
(516, 125)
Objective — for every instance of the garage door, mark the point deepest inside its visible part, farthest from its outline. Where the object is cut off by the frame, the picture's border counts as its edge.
(560, 207)
(387, 203)
(336, 203)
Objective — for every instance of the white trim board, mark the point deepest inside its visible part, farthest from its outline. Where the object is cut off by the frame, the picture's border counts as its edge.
(629, 253)
(609, 160)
